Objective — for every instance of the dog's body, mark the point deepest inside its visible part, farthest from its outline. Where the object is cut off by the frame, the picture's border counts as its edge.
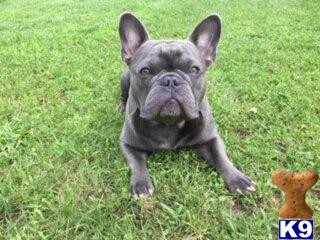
(165, 104)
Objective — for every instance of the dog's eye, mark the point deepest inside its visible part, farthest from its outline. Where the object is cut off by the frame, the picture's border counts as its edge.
(195, 70)
(145, 71)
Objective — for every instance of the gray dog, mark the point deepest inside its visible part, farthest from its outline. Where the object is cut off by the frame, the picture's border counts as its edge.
(164, 98)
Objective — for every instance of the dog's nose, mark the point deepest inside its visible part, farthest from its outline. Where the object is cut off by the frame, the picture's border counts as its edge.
(171, 81)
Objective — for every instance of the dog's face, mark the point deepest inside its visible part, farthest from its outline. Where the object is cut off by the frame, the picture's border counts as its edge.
(167, 77)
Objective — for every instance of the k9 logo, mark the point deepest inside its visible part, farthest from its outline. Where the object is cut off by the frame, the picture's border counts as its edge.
(295, 229)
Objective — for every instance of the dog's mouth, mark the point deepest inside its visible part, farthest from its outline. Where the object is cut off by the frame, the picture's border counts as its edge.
(170, 107)
(171, 111)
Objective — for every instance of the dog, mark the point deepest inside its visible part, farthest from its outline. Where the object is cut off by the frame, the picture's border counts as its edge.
(163, 96)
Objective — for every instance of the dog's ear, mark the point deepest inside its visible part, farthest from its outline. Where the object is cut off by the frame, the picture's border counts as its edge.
(132, 34)
(206, 37)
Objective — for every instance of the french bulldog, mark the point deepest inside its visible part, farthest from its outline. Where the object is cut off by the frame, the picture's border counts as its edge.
(163, 95)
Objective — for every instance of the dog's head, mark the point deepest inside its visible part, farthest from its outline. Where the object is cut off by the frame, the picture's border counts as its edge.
(167, 77)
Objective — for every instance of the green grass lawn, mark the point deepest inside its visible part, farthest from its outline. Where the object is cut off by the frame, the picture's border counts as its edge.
(61, 172)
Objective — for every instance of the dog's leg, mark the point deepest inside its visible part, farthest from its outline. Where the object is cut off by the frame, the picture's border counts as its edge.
(214, 152)
(140, 185)
(124, 86)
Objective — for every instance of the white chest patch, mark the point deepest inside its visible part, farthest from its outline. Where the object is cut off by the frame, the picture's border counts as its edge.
(181, 124)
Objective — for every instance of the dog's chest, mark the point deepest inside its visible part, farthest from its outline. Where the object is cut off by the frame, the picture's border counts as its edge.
(165, 137)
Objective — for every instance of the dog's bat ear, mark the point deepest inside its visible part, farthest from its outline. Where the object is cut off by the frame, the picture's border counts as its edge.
(132, 34)
(206, 37)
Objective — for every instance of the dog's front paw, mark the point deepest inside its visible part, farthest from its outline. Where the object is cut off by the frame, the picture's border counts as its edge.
(237, 182)
(142, 188)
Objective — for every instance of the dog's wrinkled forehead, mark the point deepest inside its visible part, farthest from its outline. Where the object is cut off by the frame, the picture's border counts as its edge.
(167, 54)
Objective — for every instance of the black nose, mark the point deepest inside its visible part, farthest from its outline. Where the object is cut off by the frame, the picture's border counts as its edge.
(171, 81)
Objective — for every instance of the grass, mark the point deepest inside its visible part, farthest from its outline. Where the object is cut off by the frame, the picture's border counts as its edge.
(61, 172)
